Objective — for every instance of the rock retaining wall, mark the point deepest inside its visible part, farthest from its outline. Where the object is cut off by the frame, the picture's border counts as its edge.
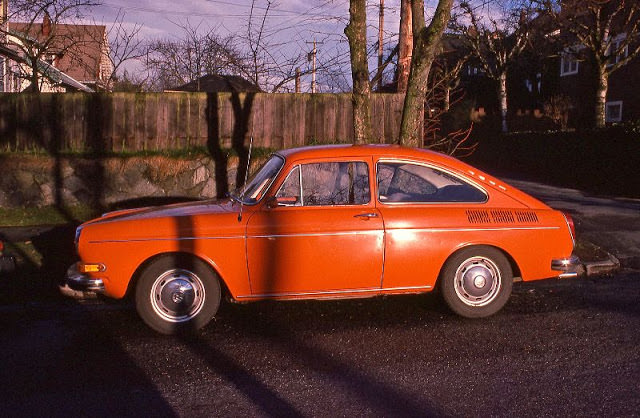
(41, 181)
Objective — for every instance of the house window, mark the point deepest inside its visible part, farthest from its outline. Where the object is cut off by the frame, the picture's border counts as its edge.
(473, 70)
(614, 49)
(568, 65)
(613, 111)
(529, 85)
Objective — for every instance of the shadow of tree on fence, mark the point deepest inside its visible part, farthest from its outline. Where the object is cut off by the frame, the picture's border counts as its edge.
(215, 142)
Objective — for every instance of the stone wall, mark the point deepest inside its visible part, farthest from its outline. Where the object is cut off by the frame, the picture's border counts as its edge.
(41, 181)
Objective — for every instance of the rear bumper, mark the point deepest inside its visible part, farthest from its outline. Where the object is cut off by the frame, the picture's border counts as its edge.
(82, 282)
(569, 267)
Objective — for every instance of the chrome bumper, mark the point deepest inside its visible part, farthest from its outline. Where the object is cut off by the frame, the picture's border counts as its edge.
(570, 267)
(82, 282)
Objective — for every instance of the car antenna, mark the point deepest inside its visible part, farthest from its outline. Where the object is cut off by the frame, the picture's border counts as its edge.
(246, 176)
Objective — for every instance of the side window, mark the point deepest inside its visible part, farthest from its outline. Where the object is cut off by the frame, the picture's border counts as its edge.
(406, 182)
(291, 187)
(327, 184)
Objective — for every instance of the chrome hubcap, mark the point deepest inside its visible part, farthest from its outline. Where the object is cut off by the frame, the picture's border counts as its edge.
(477, 281)
(177, 295)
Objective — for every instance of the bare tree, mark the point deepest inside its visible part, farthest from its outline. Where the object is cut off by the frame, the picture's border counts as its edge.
(125, 44)
(425, 44)
(496, 41)
(356, 32)
(39, 36)
(174, 62)
(607, 30)
(447, 122)
(271, 66)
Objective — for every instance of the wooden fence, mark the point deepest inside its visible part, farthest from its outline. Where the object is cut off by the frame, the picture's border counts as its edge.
(168, 121)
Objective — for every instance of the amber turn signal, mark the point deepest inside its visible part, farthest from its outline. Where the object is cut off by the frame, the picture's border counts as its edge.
(91, 267)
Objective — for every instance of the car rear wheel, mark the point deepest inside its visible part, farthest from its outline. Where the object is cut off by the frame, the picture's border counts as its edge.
(176, 294)
(476, 282)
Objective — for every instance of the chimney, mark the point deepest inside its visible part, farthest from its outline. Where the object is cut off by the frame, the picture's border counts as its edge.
(46, 25)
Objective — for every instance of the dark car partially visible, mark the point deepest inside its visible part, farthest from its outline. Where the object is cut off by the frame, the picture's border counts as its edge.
(7, 262)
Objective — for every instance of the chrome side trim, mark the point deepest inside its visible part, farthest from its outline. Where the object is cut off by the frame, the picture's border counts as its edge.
(163, 239)
(321, 234)
(523, 228)
(339, 233)
(333, 292)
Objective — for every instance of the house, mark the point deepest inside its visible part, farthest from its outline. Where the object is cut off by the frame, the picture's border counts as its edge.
(69, 57)
(564, 80)
(217, 83)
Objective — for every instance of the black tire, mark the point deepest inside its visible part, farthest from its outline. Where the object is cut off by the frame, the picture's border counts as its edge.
(476, 282)
(177, 294)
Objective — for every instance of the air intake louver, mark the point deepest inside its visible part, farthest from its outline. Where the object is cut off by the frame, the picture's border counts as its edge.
(501, 217)
(529, 217)
(478, 217)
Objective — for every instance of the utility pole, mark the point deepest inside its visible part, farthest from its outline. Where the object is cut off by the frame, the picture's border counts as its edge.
(312, 57)
(405, 45)
(297, 79)
(380, 42)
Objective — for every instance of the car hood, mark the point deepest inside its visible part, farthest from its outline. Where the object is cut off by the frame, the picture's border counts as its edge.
(206, 207)
(194, 219)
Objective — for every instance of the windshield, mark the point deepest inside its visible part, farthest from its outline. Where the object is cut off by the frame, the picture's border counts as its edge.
(260, 181)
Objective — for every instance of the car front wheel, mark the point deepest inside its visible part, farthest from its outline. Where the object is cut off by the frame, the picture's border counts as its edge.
(176, 294)
(476, 282)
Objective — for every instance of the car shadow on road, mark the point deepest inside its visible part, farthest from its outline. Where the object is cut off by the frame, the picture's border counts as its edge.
(283, 337)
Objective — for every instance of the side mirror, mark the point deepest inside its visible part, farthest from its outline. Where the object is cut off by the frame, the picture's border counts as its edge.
(274, 201)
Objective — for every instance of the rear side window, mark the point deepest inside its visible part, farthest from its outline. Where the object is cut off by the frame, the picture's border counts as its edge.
(408, 182)
(327, 184)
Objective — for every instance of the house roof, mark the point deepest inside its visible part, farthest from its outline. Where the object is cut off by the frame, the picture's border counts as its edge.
(213, 83)
(78, 49)
(55, 75)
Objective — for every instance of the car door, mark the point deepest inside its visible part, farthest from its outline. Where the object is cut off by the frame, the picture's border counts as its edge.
(425, 212)
(322, 236)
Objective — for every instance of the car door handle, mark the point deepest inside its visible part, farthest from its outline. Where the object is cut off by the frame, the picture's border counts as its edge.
(366, 216)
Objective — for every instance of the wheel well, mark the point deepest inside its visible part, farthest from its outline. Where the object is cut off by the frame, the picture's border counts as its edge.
(136, 275)
(510, 259)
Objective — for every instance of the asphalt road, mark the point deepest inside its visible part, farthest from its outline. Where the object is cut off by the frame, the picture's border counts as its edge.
(559, 348)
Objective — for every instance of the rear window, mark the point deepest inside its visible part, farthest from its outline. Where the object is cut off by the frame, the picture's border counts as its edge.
(409, 182)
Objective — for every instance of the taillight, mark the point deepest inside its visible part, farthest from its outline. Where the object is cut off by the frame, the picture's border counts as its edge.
(1, 246)
(571, 225)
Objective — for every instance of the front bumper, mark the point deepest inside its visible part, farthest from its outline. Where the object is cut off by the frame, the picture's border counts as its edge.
(569, 267)
(82, 282)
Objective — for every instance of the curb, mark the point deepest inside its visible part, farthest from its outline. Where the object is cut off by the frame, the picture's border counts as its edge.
(596, 268)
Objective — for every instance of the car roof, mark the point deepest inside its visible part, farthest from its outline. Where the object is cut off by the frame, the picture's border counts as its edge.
(408, 153)
(379, 150)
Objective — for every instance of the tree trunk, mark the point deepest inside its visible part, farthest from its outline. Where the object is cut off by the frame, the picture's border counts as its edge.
(601, 97)
(356, 32)
(425, 41)
(405, 46)
(35, 78)
(502, 97)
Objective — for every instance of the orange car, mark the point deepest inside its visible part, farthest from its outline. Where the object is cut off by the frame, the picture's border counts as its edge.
(329, 222)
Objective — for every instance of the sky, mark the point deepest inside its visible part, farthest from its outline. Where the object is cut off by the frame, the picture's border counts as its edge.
(291, 25)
